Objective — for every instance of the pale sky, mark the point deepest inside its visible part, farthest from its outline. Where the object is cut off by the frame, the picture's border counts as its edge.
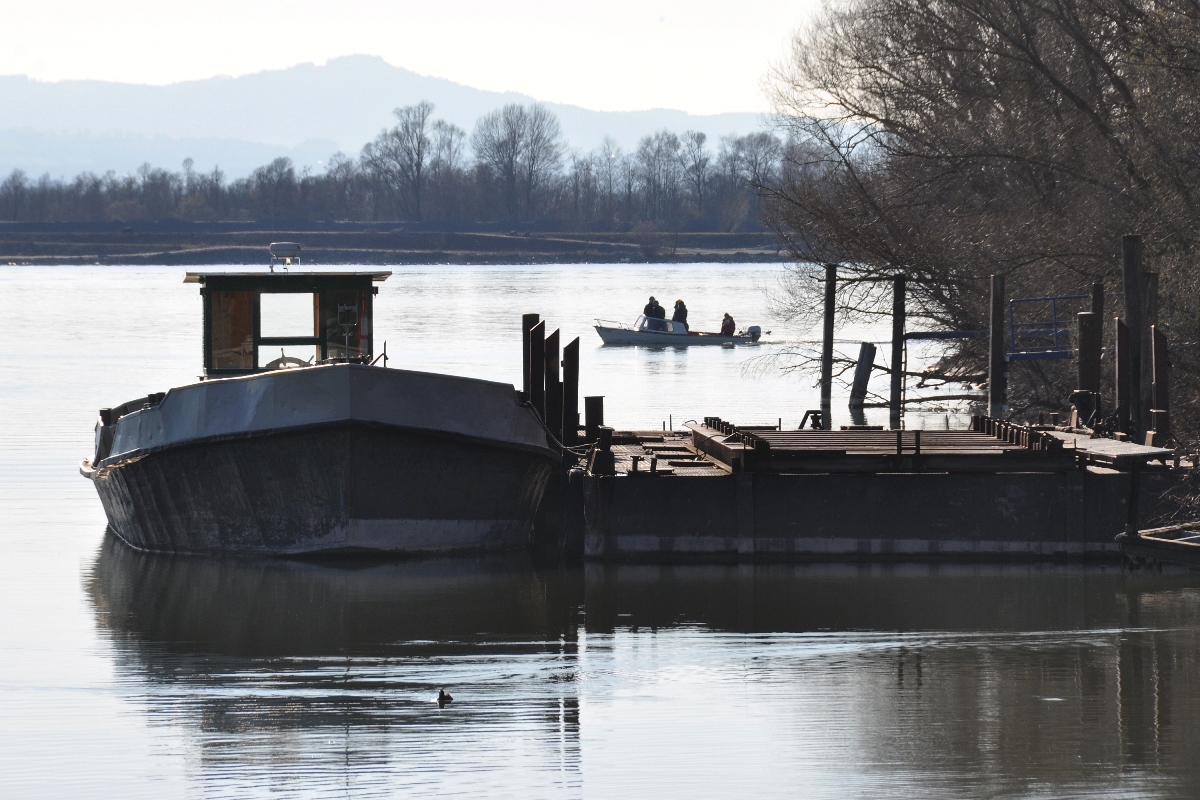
(701, 56)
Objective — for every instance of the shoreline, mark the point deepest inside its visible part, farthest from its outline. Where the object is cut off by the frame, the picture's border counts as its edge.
(187, 244)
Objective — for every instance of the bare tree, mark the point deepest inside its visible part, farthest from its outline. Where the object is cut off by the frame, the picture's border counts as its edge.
(498, 142)
(13, 194)
(949, 140)
(541, 154)
(398, 157)
(696, 166)
(660, 172)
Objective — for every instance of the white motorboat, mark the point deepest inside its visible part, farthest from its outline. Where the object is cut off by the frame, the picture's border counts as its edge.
(668, 333)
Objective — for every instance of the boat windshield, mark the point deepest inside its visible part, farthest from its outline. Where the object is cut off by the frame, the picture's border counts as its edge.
(652, 325)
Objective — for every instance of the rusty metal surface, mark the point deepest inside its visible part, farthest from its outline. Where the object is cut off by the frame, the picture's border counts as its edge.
(1011, 448)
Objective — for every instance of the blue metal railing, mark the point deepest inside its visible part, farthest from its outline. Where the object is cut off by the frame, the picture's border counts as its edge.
(1054, 338)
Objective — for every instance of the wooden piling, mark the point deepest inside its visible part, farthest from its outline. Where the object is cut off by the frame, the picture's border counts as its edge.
(570, 383)
(827, 340)
(1135, 494)
(997, 362)
(593, 416)
(1088, 364)
(1161, 408)
(1122, 375)
(895, 401)
(862, 374)
(554, 391)
(1131, 279)
(1098, 299)
(527, 323)
(1089, 351)
(537, 368)
(1149, 299)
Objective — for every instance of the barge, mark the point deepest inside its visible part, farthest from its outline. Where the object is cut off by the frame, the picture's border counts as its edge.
(723, 492)
(298, 441)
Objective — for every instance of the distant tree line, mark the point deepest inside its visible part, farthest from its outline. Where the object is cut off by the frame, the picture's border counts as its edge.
(514, 166)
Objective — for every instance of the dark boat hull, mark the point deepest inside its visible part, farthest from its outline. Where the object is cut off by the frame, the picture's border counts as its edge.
(341, 487)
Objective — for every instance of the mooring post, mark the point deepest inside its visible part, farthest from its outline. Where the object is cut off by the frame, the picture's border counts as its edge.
(827, 341)
(527, 323)
(1122, 375)
(1131, 279)
(570, 384)
(997, 363)
(537, 369)
(1088, 365)
(1135, 494)
(862, 374)
(1160, 411)
(1149, 321)
(593, 416)
(554, 392)
(896, 400)
(1098, 299)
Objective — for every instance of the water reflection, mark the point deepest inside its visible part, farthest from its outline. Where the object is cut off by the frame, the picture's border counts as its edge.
(894, 680)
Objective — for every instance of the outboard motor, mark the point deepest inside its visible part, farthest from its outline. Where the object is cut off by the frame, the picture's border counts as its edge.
(754, 332)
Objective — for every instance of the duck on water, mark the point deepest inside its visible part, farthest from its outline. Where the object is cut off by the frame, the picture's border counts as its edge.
(302, 442)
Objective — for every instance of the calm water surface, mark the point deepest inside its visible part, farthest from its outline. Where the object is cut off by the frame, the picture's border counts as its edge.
(124, 674)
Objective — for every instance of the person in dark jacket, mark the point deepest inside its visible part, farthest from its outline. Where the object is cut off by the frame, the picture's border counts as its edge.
(653, 311)
(727, 325)
(680, 314)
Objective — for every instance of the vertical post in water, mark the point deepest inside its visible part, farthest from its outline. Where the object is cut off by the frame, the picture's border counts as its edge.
(537, 368)
(593, 416)
(527, 323)
(1149, 321)
(553, 416)
(1122, 375)
(1089, 351)
(997, 363)
(896, 400)
(1161, 410)
(862, 374)
(1131, 279)
(1098, 299)
(1090, 364)
(570, 383)
(827, 342)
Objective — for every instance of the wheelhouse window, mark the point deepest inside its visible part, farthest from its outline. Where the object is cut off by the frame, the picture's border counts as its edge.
(232, 330)
(287, 315)
(345, 324)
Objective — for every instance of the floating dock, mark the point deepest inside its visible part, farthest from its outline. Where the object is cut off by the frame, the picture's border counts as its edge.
(719, 491)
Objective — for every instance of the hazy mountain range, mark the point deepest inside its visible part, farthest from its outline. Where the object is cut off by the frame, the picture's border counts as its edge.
(306, 112)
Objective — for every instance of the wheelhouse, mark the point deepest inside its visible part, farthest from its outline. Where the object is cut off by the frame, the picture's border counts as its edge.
(259, 321)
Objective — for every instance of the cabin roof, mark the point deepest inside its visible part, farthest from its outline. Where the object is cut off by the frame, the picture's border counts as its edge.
(265, 277)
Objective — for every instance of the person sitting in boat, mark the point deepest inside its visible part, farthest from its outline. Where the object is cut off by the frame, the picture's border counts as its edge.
(680, 314)
(654, 312)
(727, 325)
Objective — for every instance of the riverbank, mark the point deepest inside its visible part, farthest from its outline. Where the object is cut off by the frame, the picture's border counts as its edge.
(186, 244)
